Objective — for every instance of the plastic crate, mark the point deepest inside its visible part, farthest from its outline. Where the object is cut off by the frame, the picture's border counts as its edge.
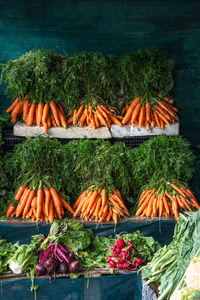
(10, 140)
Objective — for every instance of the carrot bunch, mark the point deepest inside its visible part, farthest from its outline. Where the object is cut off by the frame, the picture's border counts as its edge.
(44, 205)
(95, 118)
(154, 203)
(45, 115)
(156, 112)
(95, 204)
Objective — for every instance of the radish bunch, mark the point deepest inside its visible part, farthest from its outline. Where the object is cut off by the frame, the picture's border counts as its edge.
(123, 256)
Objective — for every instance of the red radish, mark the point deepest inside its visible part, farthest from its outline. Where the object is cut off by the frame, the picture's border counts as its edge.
(108, 258)
(113, 254)
(117, 250)
(120, 266)
(120, 260)
(112, 263)
(139, 261)
(123, 253)
(129, 243)
(134, 265)
(130, 249)
(125, 265)
(113, 247)
(120, 243)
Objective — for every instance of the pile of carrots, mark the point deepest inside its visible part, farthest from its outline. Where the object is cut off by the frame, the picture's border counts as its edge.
(87, 116)
(45, 205)
(152, 204)
(157, 113)
(94, 204)
(45, 115)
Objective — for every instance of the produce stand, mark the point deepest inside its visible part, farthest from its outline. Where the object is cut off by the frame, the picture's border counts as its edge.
(93, 285)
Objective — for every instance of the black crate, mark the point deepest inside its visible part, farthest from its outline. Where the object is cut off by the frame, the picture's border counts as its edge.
(10, 140)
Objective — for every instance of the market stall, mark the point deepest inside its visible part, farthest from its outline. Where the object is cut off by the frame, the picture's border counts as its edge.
(90, 132)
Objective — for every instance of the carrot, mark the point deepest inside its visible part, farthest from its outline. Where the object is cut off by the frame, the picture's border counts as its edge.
(54, 112)
(157, 121)
(104, 114)
(142, 116)
(175, 209)
(180, 203)
(28, 203)
(162, 117)
(79, 112)
(62, 118)
(101, 118)
(163, 112)
(79, 198)
(39, 115)
(176, 188)
(31, 113)
(10, 108)
(162, 124)
(107, 111)
(114, 216)
(48, 122)
(74, 116)
(16, 111)
(47, 201)
(103, 195)
(142, 207)
(150, 207)
(34, 202)
(56, 201)
(67, 206)
(62, 110)
(79, 207)
(10, 210)
(92, 200)
(186, 204)
(166, 204)
(51, 211)
(40, 200)
(160, 203)
(98, 206)
(116, 121)
(19, 192)
(192, 198)
(118, 194)
(136, 113)
(13, 214)
(144, 212)
(97, 123)
(148, 111)
(166, 108)
(169, 196)
(45, 127)
(69, 121)
(109, 216)
(155, 206)
(21, 206)
(92, 210)
(92, 121)
(26, 108)
(130, 109)
(123, 111)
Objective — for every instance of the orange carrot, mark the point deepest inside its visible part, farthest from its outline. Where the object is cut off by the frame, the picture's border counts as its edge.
(31, 113)
(21, 206)
(104, 114)
(150, 206)
(40, 200)
(114, 216)
(136, 113)
(107, 111)
(98, 206)
(79, 112)
(45, 113)
(142, 207)
(97, 123)
(45, 127)
(62, 118)
(19, 192)
(16, 111)
(54, 112)
(47, 201)
(62, 110)
(56, 201)
(129, 112)
(79, 199)
(48, 122)
(40, 113)
(26, 108)
(9, 109)
(67, 206)
(142, 117)
(28, 203)
(10, 210)
(51, 211)
(101, 118)
(162, 117)
(148, 111)
(176, 188)
(115, 121)
(34, 202)
(74, 116)
(156, 119)
(166, 204)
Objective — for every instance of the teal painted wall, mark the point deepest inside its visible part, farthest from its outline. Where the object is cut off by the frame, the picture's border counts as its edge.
(114, 27)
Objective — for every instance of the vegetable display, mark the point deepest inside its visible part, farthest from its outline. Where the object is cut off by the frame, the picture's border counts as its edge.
(92, 87)
(96, 204)
(169, 264)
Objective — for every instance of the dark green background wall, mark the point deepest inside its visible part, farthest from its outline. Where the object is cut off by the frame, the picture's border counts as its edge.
(112, 27)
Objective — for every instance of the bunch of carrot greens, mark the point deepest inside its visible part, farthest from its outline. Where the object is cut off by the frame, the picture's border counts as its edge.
(38, 177)
(162, 169)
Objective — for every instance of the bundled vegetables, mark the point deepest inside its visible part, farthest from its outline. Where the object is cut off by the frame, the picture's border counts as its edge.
(150, 113)
(169, 264)
(37, 172)
(96, 204)
(165, 199)
(89, 85)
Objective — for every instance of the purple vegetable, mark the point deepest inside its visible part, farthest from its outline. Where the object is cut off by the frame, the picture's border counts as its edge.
(40, 270)
(63, 249)
(75, 266)
(45, 254)
(60, 253)
(63, 268)
(51, 265)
